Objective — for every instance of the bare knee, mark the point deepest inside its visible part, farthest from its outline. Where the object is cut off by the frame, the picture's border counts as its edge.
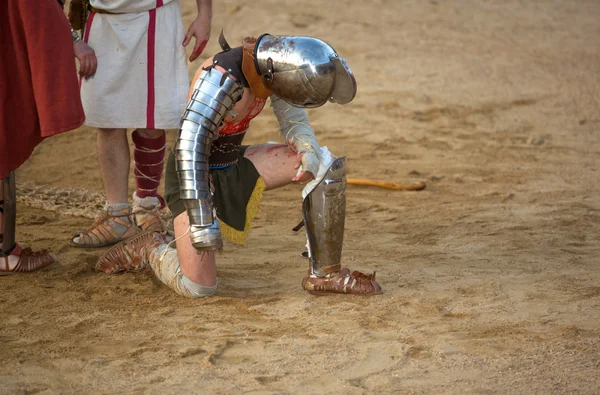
(111, 132)
(274, 163)
(150, 133)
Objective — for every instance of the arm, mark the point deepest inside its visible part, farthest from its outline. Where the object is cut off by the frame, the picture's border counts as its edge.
(297, 133)
(200, 28)
(86, 56)
(83, 52)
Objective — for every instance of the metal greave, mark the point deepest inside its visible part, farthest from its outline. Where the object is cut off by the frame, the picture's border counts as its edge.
(324, 214)
(214, 95)
(9, 216)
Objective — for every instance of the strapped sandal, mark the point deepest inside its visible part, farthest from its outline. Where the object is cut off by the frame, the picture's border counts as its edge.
(110, 226)
(147, 213)
(130, 255)
(342, 281)
(29, 260)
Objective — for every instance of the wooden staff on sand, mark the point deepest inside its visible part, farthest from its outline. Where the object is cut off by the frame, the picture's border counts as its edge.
(417, 186)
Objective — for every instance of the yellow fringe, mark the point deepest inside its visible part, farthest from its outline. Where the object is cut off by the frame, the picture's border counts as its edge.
(239, 236)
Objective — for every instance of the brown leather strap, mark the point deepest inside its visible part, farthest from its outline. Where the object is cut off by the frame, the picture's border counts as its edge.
(345, 282)
(299, 226)
(331, 269)
(99, 11)
(249, 69)
(29, 261)
(225, 150)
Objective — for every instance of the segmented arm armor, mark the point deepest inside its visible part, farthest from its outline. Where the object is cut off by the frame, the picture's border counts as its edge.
(214, 95)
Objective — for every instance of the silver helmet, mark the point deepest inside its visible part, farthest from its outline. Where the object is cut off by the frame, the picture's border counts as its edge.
(303, 71)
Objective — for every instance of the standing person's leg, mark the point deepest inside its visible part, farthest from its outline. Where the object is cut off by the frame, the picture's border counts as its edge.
(149, 161)
(13, 259)
(1, 210)
(9, 213)
(116, 222)
(113, 155)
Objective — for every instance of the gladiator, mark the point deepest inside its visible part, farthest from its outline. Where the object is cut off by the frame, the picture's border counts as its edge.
(214, 183)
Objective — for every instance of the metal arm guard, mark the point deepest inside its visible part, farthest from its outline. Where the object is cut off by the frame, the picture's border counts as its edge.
(9, 214)
(214, 95)
(324, 214)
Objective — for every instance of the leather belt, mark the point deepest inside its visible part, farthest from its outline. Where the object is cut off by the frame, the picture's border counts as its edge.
(225, 150)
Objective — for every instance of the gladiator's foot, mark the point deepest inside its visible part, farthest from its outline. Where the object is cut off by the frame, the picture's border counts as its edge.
(343, 281)
(27, 261)
(130, 255)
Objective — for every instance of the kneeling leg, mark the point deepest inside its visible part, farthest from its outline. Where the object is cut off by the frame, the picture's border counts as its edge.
(324, 214)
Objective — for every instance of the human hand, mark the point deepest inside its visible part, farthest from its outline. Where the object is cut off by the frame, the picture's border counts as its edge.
(200, 30)
(308, 173)
(87, 59)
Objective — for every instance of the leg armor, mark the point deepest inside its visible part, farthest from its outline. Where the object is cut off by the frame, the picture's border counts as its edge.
(324, 214)
(9, 214)
(214, 95)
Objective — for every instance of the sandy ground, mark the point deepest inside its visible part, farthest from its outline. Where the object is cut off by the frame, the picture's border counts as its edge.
(490, 274)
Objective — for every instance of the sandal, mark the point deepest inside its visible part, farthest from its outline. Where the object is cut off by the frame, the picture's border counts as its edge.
(111, 226)
(29, 260)
(342, 281)
(147, 213)
(130, 255)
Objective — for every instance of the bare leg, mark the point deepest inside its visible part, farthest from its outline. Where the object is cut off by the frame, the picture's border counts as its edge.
(116, 222)
(200, 267)
(151, 133)
(274, 162)
(113, 154)
(184, 270)
(13, 259)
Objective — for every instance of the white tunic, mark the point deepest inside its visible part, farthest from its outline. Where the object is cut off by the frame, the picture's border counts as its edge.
(142, 77)
(126, 6)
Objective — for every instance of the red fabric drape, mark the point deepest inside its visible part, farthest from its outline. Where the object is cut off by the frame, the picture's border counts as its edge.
(39, 91)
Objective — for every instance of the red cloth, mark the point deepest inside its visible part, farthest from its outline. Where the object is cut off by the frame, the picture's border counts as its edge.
(149, 159)
(39, 90)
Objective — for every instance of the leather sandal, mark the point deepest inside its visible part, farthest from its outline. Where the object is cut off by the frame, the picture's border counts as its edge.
(131, 255)
(110, 227)
(29, 260)
(342, 281)
(147, 213)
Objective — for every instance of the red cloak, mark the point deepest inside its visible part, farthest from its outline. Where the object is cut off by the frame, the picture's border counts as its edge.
(39, 88)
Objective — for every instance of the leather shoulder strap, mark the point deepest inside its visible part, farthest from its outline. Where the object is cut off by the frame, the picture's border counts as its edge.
(249, 69)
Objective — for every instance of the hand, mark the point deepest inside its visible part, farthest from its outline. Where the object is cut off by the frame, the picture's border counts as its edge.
(304, 176)
(200, 30)
(87, 59)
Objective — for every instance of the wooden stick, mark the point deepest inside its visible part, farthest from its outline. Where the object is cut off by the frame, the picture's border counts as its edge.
(418, 186)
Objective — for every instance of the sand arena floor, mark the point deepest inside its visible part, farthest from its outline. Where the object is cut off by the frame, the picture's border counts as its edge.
(490, 274)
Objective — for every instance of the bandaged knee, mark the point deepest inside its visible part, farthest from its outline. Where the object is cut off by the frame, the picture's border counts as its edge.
(325, 160)
(165, 264)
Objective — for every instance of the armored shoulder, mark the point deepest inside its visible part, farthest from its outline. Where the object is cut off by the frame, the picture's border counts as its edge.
(231, 60)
